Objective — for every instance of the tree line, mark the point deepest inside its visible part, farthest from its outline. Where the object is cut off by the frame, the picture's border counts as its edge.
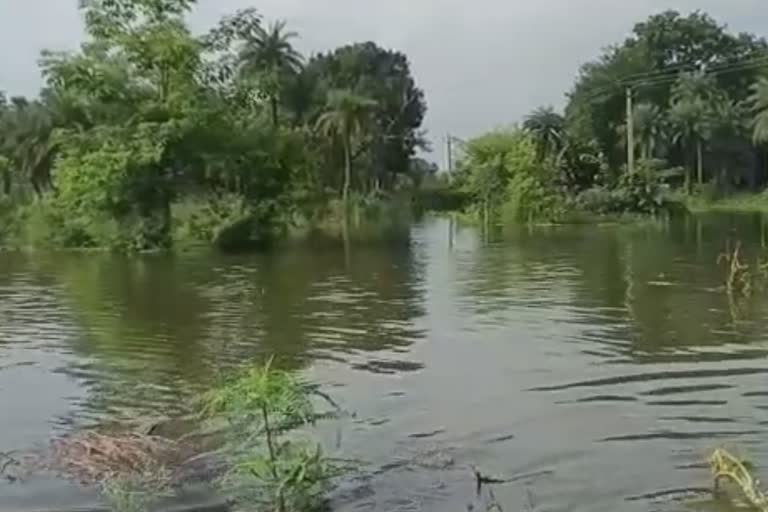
(688, 96)
(149, 130)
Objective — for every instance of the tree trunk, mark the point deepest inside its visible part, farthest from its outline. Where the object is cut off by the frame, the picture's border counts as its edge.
(347, 172)
(699, 162)
(7, 182)
(273, 104)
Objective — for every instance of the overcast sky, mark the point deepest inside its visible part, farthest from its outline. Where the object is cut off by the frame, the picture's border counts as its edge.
(482, 63)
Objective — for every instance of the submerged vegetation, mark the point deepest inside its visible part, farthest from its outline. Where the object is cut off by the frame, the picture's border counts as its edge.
(150, 134)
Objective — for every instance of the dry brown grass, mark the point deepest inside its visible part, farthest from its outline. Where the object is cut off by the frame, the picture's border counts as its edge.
(91, 457)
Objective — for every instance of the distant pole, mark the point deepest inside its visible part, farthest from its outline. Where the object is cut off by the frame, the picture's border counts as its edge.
(630, 133)
(449, 153)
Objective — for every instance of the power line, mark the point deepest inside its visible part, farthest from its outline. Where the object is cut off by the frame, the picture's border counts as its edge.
(676, 69)
(672, 75)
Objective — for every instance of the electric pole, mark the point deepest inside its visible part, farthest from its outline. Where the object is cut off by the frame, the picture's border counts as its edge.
(449, 153)
(630, 133)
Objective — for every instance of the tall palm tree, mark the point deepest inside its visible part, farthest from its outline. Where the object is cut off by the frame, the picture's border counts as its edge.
(27, 128)
(730, 125)
(345, 118)
(690, 122)
(759, 101)
(649, 127)
(546, 126)
(271, 55)
(691, 116)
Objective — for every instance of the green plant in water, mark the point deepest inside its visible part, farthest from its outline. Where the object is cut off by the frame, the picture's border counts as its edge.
(271, 467)
(135, 492)
(726, 466)
(739, 278)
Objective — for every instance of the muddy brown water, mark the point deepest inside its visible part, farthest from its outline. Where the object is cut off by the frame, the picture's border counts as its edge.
(591, 366)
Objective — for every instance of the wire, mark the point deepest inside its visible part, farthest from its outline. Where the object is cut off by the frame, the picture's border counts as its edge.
(674, 75)
(676, 69)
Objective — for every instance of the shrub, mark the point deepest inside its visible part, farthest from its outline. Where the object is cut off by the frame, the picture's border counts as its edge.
(502, 174)
(642, 191)
(227, 222)
(271, 467)
(529, 199)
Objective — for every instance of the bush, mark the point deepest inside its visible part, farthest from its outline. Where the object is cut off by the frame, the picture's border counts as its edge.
(227, 221)
(640, 192)
(271, 468)
(530, 198)
(502, 175)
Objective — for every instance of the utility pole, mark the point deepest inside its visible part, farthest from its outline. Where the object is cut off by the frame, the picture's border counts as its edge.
(630, 133)
(449, 153)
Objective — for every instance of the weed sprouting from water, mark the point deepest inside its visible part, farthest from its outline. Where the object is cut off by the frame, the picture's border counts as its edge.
(739, 276)
(135, 492)
(742, 280)
(272, 467)
(727, 467)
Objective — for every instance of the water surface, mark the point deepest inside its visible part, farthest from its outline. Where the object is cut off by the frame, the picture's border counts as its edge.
(592, 366)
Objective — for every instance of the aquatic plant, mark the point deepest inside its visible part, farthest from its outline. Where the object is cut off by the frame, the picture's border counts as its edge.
(136, 491)
(739, 277)
(726, 466)
(269, 466)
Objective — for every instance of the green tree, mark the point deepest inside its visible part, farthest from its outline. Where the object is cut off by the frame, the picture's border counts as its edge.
(649, 60)
(759, 101)
(385, 77)
(346, 119)
(730, 123)
(501, 172)
(650, 128)
(547, 127)
(25, 139)
(691, 116)
(270, 57)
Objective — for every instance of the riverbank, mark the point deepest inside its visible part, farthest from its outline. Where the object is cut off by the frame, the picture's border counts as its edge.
(742, 203)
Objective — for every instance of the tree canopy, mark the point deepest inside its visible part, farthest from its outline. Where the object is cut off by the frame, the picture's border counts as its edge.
(147, 116)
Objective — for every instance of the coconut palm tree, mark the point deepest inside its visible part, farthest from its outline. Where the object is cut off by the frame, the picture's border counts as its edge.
(546, 126)
(691, 116)
(650, 127)
(26, 128)
(759, 102)
(691, 128)
(730, 126)
(345, 119)
(271, 56)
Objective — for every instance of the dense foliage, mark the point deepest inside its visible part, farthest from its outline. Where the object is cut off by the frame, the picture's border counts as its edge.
(151, 132)
(697, 99)
(699, 121)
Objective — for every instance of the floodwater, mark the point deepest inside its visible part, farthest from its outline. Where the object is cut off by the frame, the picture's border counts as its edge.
(593, 367)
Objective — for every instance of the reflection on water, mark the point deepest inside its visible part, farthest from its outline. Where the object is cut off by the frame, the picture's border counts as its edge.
(592, 366)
